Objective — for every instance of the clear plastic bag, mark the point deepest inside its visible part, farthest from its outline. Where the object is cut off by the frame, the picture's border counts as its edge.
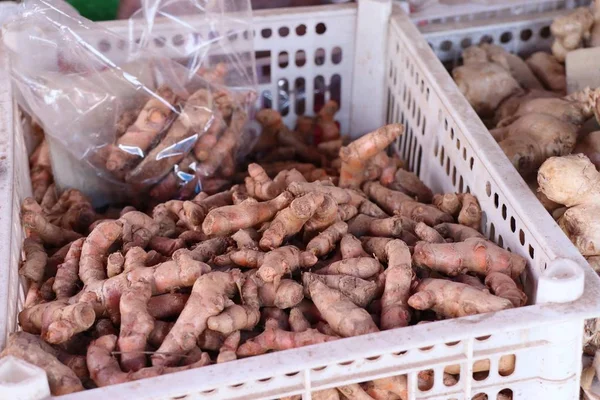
(164, 111)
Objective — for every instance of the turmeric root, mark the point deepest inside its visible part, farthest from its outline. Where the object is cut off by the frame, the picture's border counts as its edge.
(49, 233)
(274, 338)
(325, 215)
(354, 392)
(346, 212)
(371, 209)
(114, 264)
(410, 184)
(136, 325)
(473, 255)
(473, 281)
(325, 242)
(95, 247)
(346, 318)
(298, 322)
(282, 261)
(260, 186)
(30, 348)
(67, 273)
(456, 232)
(57, 321)
(448, 203)
(359, 291)
(194, 118)
(356, 155)
(138, 138)
(35, 259)
(239, 317)
(394, 202)
(290, 220)
(105, 370)
(351, 247)
(363, 225)
(360, 267)
(228, 351)
(340, 195)
(248, 258)
(225, 220)
(452, 299)
(138, 229)
(288, 294)
(395, 312)
(209, 297)
(470, 212)
(503, 286)
(428, 234)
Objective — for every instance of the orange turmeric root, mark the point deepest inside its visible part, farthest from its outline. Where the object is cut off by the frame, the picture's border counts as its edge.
(228, 351)
(325, 242)
(282, 261)
(448, 203)
(114, 264)
(473, 255)
(345, 317)
(95, 247)
(456, 232)
(274, 338)
(356, 155)
(138, 138)
(67, 273)
(452, 299)
(503, 286)
(49, 233)
(31, 348)
(248, 258)
(35, 259)
(359, 291)
(298, 322)
(167, 305)
(372, 210)
(193, 118)
(351, 247)
(226, 220)
(325, 215)
(104, 368)
(239, 317)
(290, 220)
(363, 225)
(399, 275)
(57, 321)
(288, 294)
(360, 267)
(410, 184)
(394, 202)
(260, 186)
(136, 325)
(138, 229)
(470, 212)
(340, 195)
(428, 234)
(345, 212)
(209, 297)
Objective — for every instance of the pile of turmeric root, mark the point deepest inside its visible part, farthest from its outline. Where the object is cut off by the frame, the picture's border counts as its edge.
(342, 242)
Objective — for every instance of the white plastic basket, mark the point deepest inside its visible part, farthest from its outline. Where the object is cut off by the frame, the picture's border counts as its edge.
(397, 79)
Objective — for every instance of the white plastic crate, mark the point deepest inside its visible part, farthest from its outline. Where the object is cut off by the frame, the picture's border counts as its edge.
(398, 79)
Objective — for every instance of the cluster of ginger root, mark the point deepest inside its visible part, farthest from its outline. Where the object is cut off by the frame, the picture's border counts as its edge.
(292, 254)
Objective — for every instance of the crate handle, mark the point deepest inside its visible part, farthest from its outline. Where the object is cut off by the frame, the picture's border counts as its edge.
(562, 282)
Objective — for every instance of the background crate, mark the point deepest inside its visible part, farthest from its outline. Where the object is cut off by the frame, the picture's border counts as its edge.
(398, 79)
